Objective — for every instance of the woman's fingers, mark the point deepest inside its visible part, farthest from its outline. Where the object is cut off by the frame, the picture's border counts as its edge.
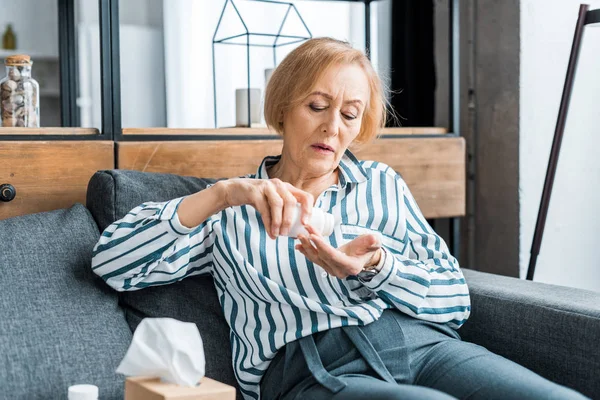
(361, 245)
(274, 199)
(282, 199)
(265, 213)
(327, 252)
(338, 263)
(320, 255)
(309, 251)
(306, 201)
(275, 203)
(307, 246)
(289, 207)
(312, 231)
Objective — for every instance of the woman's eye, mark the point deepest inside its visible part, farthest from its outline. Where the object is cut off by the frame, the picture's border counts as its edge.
(349, 117)
(315, 108)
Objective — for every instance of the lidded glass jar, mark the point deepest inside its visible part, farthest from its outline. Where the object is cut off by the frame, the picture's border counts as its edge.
(20, 94)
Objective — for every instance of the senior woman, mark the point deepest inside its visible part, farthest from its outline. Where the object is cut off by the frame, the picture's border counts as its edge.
(369, 312)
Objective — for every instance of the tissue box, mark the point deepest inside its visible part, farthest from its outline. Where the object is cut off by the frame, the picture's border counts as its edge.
(151, 388)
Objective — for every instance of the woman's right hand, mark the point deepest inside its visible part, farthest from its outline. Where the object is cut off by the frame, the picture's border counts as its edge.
(274, 199)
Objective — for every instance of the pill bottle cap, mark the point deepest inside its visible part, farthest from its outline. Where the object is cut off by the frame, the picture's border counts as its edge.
(328, 224)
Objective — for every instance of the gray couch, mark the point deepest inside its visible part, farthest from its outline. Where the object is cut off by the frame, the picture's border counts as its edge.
(61, 325)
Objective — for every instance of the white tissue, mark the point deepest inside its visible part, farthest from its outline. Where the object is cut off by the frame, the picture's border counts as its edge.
(167, 348)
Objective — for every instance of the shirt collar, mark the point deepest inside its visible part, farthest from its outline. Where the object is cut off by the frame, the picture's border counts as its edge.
(350, 170)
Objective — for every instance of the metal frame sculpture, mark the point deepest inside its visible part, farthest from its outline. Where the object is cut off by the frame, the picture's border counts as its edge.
(276, 37)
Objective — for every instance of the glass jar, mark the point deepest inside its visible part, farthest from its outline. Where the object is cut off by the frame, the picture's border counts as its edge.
(20, 94)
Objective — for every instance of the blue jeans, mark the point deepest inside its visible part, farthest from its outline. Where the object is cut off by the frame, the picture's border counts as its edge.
(399, 357)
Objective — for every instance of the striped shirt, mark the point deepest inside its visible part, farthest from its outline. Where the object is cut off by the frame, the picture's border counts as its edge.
(269, 292)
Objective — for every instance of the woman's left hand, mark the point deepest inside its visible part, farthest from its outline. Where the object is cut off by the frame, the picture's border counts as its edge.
(349, 259)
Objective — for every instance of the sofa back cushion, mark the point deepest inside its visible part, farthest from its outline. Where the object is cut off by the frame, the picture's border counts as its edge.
(111, 195)
(59, 325)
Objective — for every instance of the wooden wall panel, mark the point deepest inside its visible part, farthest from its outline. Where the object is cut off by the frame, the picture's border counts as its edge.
(49, 175)
(434, 168)
(208, 159)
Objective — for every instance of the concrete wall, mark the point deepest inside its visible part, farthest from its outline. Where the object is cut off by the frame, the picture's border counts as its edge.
(568, 255)
(496, 89)
(489, 122)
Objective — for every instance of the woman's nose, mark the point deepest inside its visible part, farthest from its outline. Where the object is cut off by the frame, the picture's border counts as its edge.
(332, 125)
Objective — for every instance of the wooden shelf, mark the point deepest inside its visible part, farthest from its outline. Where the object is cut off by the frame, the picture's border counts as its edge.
(181, 131)
(49, 131)
(176, 131)
(419, 130)
(265, 131)
(35, 55)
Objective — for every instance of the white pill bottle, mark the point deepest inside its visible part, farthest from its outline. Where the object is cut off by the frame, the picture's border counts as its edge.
(320, 220)
(83, 392)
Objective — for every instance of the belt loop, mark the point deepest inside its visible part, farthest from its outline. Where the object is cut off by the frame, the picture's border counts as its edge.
(315, 365)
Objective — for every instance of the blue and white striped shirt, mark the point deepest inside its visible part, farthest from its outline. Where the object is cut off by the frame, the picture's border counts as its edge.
(269, 292)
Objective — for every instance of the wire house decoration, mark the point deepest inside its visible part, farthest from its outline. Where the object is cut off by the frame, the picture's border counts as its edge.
(249, 38)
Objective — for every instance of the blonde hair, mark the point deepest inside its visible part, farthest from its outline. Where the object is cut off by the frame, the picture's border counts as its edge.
(293, 80)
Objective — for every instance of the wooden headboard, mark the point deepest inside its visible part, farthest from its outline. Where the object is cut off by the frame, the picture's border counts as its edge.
(54, 174)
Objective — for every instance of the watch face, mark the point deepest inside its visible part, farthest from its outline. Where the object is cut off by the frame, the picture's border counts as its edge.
(367, 275)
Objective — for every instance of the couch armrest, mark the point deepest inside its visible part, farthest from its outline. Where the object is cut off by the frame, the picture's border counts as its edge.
(552, 330)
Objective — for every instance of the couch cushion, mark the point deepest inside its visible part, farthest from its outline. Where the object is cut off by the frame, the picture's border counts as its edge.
(111, 195)
(552, 330)
(59, 325)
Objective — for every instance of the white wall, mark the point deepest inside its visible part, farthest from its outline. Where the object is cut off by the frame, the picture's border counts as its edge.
(382, 59)
(35, 23)
(569, 252)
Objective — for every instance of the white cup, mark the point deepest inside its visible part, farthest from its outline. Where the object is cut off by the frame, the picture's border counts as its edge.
(268, 73)
(241, 106)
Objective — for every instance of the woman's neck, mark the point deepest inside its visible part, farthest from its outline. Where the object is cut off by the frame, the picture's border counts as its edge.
(314, 184)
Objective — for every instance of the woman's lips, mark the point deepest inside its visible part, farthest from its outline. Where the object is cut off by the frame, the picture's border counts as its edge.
(322, 148)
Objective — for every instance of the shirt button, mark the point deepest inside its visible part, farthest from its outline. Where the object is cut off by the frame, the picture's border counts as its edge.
(324, 274)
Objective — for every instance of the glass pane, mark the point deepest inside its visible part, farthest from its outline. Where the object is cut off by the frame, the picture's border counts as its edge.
(34, 30)
(167, 54)
(143, 94)
(31, 27)
(87, 31)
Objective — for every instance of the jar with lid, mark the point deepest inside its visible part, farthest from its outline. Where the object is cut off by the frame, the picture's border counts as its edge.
(20, 94)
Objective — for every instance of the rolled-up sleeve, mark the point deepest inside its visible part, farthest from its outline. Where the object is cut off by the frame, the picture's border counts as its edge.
(150, 246)
(427, 282)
